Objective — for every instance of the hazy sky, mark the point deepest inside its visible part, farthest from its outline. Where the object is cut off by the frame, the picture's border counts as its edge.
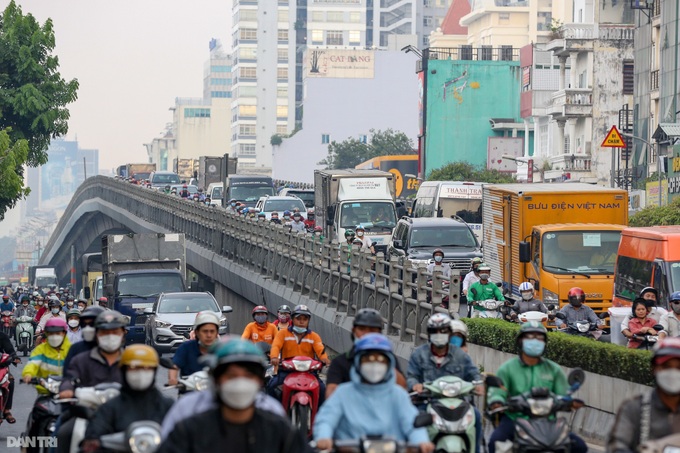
(132, 58)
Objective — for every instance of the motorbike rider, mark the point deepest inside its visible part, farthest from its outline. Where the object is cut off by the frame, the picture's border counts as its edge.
(439, 357)
(260, 329)
(100, 364)
(367, 320)
(232, 205)
(7, 348)
(186, 358)
(436, 264)
(459, 334)
(238, 376)
(70, 303)
(7, 304)
(283, 317)
(55, 312)
(139, 399)
(297, 225)
(87, 319)
(528, 301)
(103, 302)
(670, 321)
(522, 373)
(74, 333)
(641, 324)
(81, 305)
(371, 403)
(472, 276)
(274, 218)
(651, 296)
(41, 310)
(577, 311)
(483, 290)
(297, 340)
(286, 217)
(654, 414)
(25, 309)
(366, 243)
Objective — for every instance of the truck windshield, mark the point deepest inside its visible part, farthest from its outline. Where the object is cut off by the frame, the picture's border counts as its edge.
(307, 197)
(250, 192)
(139, 176)
(470, 210)
(44, 282)
(370, 214)
(99, 289)
(579, 252)
(442, 237)
(675, 276)
(149, 284)
(217, 193)
(165, 179)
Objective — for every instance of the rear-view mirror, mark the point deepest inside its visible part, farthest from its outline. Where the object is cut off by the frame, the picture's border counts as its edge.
(576, 375)
(86, 292)
(227, 309)
(658, 327)
(166, 363)
(422, 420)
(560, 315)
(493, 381)
(397, 244)
(524, 252)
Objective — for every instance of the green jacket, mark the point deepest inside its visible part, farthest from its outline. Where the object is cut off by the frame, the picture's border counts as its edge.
(484, 292)
(519, 377)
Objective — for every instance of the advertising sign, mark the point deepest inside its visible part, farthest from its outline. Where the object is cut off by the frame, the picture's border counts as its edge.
(345, 64)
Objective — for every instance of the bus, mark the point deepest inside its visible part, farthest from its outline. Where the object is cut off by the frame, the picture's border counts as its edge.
(248, 188)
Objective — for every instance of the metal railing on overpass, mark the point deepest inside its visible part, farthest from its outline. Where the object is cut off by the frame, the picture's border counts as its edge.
(343, 278)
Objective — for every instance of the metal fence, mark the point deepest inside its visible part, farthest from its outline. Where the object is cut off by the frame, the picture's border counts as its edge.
(343, 278)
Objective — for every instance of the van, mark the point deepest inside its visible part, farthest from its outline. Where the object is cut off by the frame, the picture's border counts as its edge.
(647, 256)
(215, 193)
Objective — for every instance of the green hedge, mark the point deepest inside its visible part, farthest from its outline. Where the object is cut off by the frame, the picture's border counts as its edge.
(568, 350)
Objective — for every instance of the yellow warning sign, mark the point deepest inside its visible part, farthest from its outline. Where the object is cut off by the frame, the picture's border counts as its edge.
(613, 139)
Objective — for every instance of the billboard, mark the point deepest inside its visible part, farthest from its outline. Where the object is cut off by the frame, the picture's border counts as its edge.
(504, 146)
(342, 64)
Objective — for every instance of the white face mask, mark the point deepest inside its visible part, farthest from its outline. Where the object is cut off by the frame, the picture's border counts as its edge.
(88, 333)
(439, 339)
(669, 380)
(140, 380)
(239, 393)
(73, 323)
(373, 372)
(109, 343)
(360, 233)
(527, 295)
(55, 311)
(55, 340)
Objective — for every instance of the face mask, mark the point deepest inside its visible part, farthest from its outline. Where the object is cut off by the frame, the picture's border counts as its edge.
(669, 380)
(484, 276)
(109, 343)
(275, 219)
(456, 341)
(438, 259)
(73, 323)
(140, 380)
(439, 339)
(318, 233)
(297, 329)
(233, 204)
(533, 348)
(40, 303)
(373, 372)
(360, 233)
(69, 304)
(675, 308)
(55, 311)
(24, 305)
(239, 393)
(284, 318)
(527, 296)
(88, 333)
(260, 319)
(55, 340)
(285, 217)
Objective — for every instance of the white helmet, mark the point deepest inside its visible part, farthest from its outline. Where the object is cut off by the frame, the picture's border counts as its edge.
(526, 287)
(206, 317)
(459, 327)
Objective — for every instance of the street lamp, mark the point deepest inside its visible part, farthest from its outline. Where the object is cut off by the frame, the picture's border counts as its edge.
(658, 156)
(529, 161)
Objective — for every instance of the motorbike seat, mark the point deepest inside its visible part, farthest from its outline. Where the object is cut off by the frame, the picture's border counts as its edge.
(452, 414)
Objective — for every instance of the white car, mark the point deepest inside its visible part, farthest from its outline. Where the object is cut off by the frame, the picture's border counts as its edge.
(281, 204)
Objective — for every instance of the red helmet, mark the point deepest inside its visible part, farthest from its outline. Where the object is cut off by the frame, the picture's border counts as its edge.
(318, 228)
(576, 296)
(259, 309)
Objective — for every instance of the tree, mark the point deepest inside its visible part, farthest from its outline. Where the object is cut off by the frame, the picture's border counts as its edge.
(465, 171)
(352, 152)
(33, 99)
(658, 215)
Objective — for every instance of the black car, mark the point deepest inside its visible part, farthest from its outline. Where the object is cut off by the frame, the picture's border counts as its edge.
(416, 239)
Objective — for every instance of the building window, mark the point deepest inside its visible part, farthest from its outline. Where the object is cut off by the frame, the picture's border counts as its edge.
(628, 77)
(220, 94)
(427, 21)
(282, 92)
(282, 111)
(282, 73)
(354, 37)
(247, 129)
(325, 139)
(246, 92)
(282, 129)
(196, 113)
(333, 38)
(220, 68)
(428, 3)
(247, 72)
(282, 55)
(317, 37)
(503, 16)
(247, 110)
(426, 41)
(544, 21)
(248, 15)
(335, 16)
(363, 138)
(246, 149)
(283, 34)
(317, 16)
(283, 15)
(216, 81)
(247, 53)
(355, 17)
(248, 33)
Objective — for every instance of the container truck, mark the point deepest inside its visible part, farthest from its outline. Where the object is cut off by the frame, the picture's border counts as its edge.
(140, 171)
(136, 268)
(42, 277)
(556, 236)
(344, 199)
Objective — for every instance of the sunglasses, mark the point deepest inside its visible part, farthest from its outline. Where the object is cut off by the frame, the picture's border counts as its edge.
(675, 302)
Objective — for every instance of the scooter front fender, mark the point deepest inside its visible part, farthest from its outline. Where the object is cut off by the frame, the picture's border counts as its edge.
(301, 398)
(452, 443)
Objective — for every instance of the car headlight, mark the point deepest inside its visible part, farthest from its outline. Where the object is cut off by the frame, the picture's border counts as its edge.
(161, 323)
(550, 297)
(541, 406)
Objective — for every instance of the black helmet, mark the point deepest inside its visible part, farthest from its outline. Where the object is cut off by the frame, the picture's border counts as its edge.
(54, 302)
(284, 309)
(368, 317)
(91, 312)
(301, 310)
(110, 319)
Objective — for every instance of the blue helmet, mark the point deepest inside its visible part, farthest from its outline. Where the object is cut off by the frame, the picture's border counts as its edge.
(372, 342)
(286, 213)
(675, 296)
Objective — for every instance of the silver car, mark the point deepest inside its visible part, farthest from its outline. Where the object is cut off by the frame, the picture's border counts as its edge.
(171, 318)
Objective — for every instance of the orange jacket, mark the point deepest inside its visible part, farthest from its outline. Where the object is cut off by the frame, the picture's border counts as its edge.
(260, 332)
(288, 344)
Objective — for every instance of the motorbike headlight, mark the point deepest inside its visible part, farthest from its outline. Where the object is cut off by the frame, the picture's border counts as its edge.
(144, 439)
(450, 389)
(201, 382)
(51, 385)
(550, 297)
(583, 327)
(379, 446)
(540, 407)
(107, 394)
(671, 449)
(490, 304)
(161, 323)
(302, 365)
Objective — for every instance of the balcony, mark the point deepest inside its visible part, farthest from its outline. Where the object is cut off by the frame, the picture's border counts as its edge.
(576, 37)
(571, 103)
(467, 52)
(578, 164)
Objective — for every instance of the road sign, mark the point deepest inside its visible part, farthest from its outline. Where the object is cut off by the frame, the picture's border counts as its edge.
(613, 139)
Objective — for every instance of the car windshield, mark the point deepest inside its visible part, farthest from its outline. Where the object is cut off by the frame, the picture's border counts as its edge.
(284, 205)
(369, 214)
(470, 210)
(217, 193)
(165, 179)
(149, 284)
(250, 193)
(442, 236)
(580, 251)
(43, 282)
(187, 305)
(306, 197)
(191, 189)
